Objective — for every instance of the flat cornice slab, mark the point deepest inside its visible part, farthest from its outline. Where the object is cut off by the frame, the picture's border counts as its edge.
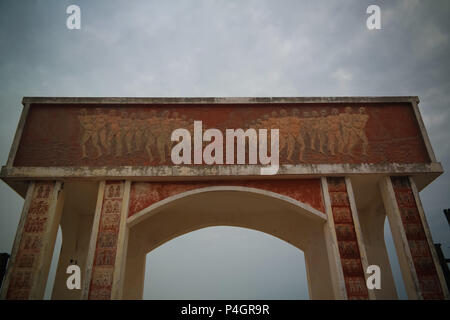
(17, 177)
(216, 171)
(215, 100)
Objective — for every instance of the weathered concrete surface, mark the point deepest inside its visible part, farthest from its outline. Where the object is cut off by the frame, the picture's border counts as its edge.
(16, 178)
(195, 100)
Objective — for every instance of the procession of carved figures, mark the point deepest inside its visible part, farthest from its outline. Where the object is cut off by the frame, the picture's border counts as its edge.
(105, 252)
(31, 242)
(124, 133)
(347, 241)
(417, 241)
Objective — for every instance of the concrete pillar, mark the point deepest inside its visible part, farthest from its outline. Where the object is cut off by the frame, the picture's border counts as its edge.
(346, 249)
(105, 261)
(337, 276)
(317, 269)
(32, 252)
(76, 231)
(418, 261)
(133, 288)
(122, 246)
(372, 221)
(76, 226)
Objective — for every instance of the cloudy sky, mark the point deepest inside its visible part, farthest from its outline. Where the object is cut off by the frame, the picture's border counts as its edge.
(228, 48)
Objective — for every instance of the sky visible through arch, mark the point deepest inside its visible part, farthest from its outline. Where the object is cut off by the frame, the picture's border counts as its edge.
(233, 263)
(228, 48)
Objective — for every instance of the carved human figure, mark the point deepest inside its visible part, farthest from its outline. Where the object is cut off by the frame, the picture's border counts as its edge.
(262, 123)
(355, 286)
(39, 208)
(252, 124)
(334, 133)
(101, 128)
(114, 134)
(347, 128)
(359, 122)
(163, 136)
(287, 141)
(293, 125)
(174, 122)
(150, 133)
(116, 207)
(303, 134)
(274, 122)
(314, 131)
(127, 130)
(108, 206)
(323, 129)
(88, 133)
(117, 191)
(140, 131)
(27, 242)
(110, 191)
(26, 260)
(102, 279)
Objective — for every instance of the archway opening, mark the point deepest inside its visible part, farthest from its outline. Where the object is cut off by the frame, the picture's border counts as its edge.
(226, 263)
(296, 224)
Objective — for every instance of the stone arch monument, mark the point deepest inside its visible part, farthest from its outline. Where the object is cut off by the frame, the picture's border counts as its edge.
(101, 168)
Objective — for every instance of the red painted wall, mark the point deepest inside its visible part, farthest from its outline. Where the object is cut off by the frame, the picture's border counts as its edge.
(55, 135)
(144, 194)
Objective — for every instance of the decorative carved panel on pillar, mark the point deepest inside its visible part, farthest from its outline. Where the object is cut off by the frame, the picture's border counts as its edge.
(417, 240)
(106, 247)
(347, 241)
(31, 243)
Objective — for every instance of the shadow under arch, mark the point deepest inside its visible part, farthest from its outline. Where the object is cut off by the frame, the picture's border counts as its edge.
(268, 212)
